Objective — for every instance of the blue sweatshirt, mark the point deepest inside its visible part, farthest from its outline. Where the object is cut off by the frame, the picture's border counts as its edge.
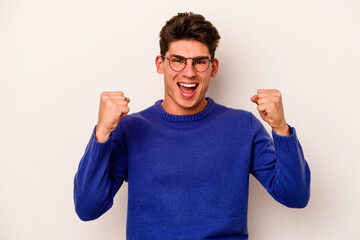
(188, 175)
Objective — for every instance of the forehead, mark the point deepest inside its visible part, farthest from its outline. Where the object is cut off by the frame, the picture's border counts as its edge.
(188, 48)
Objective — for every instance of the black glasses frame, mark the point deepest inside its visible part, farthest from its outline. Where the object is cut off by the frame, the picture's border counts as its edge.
(193, 62)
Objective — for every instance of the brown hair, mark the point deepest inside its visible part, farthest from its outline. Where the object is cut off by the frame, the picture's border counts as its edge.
(189, 26)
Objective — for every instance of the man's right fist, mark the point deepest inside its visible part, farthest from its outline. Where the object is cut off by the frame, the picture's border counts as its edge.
(113, 106)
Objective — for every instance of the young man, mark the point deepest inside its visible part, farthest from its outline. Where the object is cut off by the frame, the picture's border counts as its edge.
(187, 159)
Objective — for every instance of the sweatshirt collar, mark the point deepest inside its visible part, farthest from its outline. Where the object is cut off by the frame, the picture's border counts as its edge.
(185, 118)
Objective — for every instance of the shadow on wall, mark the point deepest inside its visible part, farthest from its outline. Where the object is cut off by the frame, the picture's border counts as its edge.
(229, 86)
(219, 85)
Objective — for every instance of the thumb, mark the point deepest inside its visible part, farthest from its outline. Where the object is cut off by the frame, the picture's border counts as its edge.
(255, 99)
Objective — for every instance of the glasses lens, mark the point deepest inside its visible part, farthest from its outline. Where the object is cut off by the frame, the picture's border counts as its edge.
(201, 64)
(177, 63)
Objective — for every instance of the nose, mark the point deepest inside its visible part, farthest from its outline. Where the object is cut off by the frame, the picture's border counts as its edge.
(189, 70)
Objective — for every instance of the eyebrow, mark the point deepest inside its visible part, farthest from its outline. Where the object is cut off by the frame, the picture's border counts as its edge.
(179, 56)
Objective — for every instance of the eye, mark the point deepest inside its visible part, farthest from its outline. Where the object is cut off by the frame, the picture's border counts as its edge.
(201, 61)
(177, 60)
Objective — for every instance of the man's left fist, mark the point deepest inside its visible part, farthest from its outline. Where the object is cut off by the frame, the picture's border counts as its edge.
(271, 110)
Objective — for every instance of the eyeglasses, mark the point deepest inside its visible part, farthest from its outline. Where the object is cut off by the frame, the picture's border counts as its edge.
(178, 63)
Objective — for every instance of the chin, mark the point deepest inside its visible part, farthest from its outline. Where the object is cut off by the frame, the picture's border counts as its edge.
(189, 104)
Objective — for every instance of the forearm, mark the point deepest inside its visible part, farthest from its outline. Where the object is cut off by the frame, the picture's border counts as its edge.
(292, 174)
(93, 188)
(280, 166)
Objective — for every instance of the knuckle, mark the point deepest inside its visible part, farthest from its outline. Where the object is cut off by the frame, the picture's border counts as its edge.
(104, 95)
(114, 108)
(124, 111)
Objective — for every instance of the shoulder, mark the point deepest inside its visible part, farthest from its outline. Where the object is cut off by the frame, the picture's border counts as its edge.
(233, 114)
(233, 122)
(138, 119)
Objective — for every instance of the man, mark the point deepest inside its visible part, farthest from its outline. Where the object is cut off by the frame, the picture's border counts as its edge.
(187, 159)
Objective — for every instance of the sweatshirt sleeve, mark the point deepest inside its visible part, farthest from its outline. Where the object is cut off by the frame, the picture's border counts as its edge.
(100, 174)
(280, 166)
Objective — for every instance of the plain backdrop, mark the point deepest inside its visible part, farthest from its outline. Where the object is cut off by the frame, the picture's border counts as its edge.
(56, 57)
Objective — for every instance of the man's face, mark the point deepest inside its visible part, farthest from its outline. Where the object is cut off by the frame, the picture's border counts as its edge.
(179, 99)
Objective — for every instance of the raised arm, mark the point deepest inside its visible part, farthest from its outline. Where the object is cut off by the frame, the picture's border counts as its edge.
(103, 168)
(279, 164)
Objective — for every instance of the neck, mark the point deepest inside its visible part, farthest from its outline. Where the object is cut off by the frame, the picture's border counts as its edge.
(175, 109)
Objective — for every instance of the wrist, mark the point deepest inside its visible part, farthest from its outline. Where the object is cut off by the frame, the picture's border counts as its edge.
(101, 134)
(282, 130)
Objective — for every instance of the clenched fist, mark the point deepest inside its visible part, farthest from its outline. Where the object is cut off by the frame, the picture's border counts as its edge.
(113, 106)
(271, 110)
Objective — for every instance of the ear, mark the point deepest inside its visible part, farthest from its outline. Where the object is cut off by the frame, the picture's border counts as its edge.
(214, 67)
(159, 64)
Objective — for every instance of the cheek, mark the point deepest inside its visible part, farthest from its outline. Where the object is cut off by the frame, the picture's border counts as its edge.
(206, 81)
(168, 73)
(204, 87)
(169, 79)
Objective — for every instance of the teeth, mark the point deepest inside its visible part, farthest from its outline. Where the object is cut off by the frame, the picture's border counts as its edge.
(188, 85)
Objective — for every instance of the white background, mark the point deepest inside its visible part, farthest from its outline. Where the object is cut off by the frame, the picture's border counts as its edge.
(57, 56)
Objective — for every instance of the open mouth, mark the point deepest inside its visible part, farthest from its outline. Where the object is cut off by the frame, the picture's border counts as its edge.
(188, 87)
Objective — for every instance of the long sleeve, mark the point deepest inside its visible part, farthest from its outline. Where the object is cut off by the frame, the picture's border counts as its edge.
(101, 172)
(280, 166)
(188, 175)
